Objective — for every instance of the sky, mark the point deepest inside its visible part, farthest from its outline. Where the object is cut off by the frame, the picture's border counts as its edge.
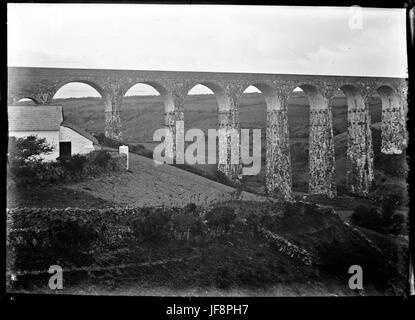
(255, 39)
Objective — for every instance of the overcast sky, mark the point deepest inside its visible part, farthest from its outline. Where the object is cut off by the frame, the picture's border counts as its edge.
(259, 39)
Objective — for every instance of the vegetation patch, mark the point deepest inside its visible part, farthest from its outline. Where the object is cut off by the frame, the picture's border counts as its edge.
(228, 245)
(26, 167)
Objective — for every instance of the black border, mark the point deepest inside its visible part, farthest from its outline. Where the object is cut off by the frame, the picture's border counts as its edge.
(156, 306)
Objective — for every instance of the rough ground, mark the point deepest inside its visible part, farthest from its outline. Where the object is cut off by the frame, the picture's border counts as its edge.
(148, 185)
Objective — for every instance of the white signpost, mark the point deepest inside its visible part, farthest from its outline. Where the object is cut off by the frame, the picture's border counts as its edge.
(124, 150)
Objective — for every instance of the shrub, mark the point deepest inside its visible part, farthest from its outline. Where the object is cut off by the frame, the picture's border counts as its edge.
(74, 165)
(153, 226)
(220, 218)
(383, 220)
(63, 239)
(72, 235)
(102, 139)
(186, 225)
(101, 158)
(367, 217)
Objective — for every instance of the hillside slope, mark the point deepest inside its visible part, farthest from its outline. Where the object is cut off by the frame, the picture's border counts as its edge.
(147, 185)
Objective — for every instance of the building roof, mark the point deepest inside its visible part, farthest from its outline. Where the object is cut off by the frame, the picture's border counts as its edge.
(34, 118)
(80, 131)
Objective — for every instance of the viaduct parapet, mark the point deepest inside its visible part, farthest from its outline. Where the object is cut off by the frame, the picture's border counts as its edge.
(41, 84)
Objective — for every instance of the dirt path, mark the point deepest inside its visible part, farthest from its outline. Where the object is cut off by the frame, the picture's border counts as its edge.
(151, 185)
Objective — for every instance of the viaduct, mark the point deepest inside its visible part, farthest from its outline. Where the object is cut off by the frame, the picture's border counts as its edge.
(40, 85)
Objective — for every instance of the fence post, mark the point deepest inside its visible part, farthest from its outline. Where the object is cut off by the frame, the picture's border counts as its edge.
(124, 150)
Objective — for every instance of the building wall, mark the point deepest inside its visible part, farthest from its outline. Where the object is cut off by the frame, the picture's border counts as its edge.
(79, 144)
(52, 138)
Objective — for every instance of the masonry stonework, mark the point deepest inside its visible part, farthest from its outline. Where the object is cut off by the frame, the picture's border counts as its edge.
(393, 125)
(321, 153)
(41, 84)
(278, 160)
(113, 128)
(229, 145)
(359, 149)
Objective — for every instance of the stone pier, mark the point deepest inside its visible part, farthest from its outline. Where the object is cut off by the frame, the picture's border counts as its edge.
(278, 160)
(359, 146)
(229, 145)
(393, 124)
(113, 125)
(321, 152)
(170, 119)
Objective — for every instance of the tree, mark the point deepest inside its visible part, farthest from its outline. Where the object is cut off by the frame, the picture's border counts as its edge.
(27, 148)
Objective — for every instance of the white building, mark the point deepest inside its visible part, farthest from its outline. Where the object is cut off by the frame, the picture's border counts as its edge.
(47, 122)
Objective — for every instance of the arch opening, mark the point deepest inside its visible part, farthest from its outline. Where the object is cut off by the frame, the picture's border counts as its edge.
(339, 109)
(390, 170)
(201, 106)
(253, 105)
(83, 106)
(143, 107)
(26, 101)
(221, 96)
(298, 129)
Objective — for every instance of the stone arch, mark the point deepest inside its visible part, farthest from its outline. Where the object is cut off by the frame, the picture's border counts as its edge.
(94, 85)
(143, 111)
(161, 89)
(223, 99)
(315, 98)
(104, 95)
(19, 99)
(228, 122)
(253, 109)
(321, 161)
(393, 123)
(271, 96)
(96, 123)
(388, 95)
(353, 95)
(359, 175)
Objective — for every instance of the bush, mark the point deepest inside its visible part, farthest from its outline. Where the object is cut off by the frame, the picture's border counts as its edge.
(102, 139)
(101, 158)
(74, 165)
(221, 177)
(72, 235)
(63, 240)
(26, 172)
(186, 225)
(367, 217)
(220, 218)
(153, 226)
(383, 220)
